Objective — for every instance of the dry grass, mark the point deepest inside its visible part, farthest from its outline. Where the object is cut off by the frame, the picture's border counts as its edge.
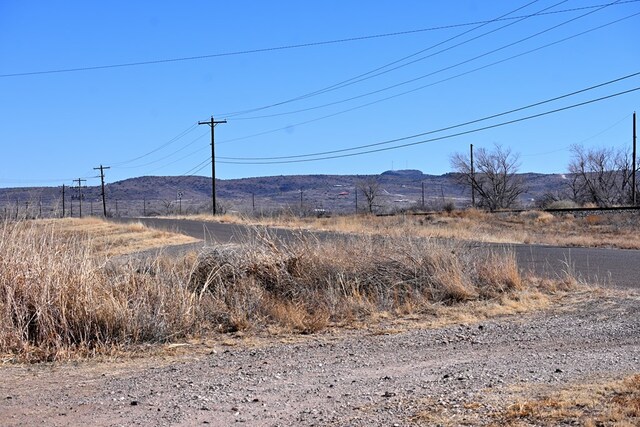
(614, 403)
(618, 230)
(110, 238)
(308, 285)
(598, 403)
(60, 297)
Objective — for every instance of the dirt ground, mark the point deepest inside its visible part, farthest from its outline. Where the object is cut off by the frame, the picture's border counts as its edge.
(466, 374)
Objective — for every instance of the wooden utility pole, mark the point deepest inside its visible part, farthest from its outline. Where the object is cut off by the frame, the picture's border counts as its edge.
(422, 195)
(633, 179)
(473, 181)
(63, 210)
(104, 200)
(356, 199)
(79, 181)
(213, 124)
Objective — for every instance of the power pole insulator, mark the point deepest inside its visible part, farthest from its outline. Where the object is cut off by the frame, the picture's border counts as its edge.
(213, 124)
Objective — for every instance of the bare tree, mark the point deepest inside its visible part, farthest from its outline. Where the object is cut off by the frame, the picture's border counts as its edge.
(494, 176)
(168, 206)
(370, 189)
(601, 176)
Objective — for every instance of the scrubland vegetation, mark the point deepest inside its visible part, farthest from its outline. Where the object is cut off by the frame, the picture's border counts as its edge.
(619, 230)
(62, 296)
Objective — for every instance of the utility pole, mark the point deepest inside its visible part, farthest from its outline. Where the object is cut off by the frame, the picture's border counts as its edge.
(63, 210)
(104, 201)
(422, 195)
(79, 180)
(213, 124)
(356, 200)
(473, 181)
(633, 183)
(301, 202)
(253, 202)
(144, 206)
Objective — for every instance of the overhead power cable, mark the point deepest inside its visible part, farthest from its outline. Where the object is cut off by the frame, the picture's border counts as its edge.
(378, 71)
(493, 116)
(395, 147)
(268, 49)
(490, 52)
(173, 153)
(171, 141)
(434, 83)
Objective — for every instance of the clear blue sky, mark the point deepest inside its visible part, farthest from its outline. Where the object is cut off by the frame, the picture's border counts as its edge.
(55, 127)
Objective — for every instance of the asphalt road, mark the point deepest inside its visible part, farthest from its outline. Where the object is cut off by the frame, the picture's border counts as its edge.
(614, 267)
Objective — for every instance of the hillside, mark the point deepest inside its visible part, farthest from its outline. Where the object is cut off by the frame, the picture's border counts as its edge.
(155, 195)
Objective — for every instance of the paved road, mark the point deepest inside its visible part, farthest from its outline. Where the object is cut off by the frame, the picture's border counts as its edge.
(616, 267)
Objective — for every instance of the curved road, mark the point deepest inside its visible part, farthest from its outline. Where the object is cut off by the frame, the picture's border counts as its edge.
(615, 267)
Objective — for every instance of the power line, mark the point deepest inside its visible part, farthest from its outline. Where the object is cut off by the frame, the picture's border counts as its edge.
(395, 147)
(370, 74)
(190, 143)
(434, 83)
(274, 48)
(171, 141)
(566, 147)
(493, 116)
(431, 73)
(192, 127)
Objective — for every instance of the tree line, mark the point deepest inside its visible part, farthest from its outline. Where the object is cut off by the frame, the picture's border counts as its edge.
(596, 176)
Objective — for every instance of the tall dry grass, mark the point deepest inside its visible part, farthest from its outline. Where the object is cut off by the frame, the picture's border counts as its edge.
(60, 297)
(308, 284)
(57, 296)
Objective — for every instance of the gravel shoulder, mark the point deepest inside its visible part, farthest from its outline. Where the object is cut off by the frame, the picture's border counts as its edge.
(385, 375)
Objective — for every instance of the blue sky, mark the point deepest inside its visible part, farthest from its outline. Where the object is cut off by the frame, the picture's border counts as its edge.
(55, 127)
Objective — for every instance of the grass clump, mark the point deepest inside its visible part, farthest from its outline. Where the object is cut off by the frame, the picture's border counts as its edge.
(307, 284)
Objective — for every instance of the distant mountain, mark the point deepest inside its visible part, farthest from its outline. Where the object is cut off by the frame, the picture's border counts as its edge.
(154, 195)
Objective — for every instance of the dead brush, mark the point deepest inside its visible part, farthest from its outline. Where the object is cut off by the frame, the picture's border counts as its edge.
(307, 283)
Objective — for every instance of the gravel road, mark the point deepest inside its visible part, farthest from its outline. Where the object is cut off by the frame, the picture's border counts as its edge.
(464, 373)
